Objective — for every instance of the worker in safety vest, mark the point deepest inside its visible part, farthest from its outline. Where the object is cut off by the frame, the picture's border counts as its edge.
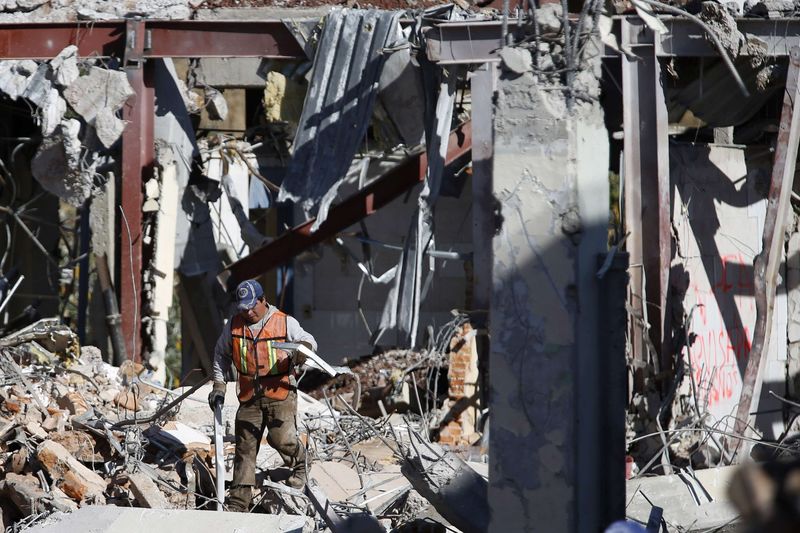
(267, 387)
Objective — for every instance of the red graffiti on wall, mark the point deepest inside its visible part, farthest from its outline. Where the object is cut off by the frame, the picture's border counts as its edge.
(718, 349)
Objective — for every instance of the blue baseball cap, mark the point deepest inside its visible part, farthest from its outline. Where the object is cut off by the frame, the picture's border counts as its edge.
(247, 294)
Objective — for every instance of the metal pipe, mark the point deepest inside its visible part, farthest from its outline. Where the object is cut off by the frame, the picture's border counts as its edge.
(438, 254)
(113, 318)
(11, 292)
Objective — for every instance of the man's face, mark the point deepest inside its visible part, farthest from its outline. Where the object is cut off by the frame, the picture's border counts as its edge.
(255, 313)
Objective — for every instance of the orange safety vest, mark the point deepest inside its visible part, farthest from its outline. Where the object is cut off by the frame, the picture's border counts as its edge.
(262, 368)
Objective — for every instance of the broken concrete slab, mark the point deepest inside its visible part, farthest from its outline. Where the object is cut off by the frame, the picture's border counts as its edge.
(39, 85)
(338, 480)
(100, 88)
(108, 126)
(692, 501)
(455, 490)
(100, 519)
(76, 480)
(146, 492)
(57, 165)
(225, 72)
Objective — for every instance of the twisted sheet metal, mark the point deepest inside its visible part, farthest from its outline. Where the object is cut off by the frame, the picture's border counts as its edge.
(338, 105)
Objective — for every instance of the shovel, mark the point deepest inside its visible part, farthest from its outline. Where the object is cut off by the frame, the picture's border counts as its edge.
(219, 459)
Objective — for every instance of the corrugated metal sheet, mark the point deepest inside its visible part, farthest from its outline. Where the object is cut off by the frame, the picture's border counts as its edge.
(338, 105)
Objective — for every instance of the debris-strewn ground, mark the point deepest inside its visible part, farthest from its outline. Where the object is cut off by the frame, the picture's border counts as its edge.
(77, 432)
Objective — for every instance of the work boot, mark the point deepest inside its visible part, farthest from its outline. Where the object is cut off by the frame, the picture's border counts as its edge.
(240, 498)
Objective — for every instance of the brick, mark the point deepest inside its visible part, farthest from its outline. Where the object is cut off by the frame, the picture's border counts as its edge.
(77, 481)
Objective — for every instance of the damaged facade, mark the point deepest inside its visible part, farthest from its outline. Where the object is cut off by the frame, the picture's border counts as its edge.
(544, 248)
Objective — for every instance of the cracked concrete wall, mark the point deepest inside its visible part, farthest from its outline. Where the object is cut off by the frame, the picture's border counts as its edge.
(543, 310)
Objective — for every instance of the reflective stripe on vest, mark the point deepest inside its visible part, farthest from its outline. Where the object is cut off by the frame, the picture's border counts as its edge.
(243, 354)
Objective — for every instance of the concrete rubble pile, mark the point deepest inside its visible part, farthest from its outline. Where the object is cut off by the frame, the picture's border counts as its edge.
(77, 433)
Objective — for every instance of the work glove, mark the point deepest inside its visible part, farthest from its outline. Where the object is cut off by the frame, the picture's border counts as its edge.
(217, 394)
(300, 357)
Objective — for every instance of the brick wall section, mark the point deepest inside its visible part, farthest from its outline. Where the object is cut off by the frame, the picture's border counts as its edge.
(458, 427)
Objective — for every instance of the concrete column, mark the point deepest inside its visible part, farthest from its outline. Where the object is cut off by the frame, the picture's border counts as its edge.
(551, 183)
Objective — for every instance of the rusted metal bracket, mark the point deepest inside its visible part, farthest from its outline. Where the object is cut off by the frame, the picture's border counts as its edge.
(767, 262)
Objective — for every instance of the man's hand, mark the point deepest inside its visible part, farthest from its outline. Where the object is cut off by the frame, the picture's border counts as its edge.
(217, 394)
(300, 357)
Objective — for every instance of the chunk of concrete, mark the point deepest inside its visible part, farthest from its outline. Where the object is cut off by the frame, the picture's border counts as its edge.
(216, 105)
(77, 481)
(337, 480)
(65, 66)
(146, 492)
(101, 519)
(517, 60)
(549, 17)
(99, 89)
(15, 76)
(51, 112)
(28, 496)
(39, 85)
(696, 503)
(57, 165)
(108, 126)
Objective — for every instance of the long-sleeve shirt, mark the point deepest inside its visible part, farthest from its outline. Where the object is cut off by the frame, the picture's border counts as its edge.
(224, 347)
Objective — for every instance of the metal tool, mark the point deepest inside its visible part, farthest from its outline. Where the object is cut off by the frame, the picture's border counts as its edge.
(219, 458)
